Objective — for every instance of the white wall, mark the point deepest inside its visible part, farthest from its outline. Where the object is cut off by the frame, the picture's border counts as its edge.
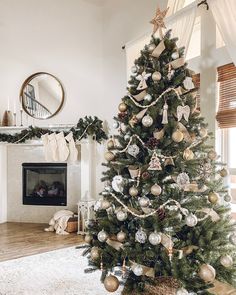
(79, 41)
(61, 37)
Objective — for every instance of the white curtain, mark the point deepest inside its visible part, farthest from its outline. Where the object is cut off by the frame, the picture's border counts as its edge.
(182, 23)
(224, 12)
(175, 5)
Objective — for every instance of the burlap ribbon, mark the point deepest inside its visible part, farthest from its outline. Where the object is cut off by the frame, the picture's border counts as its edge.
(222, 289)
(177, 63)
(114, 244)
(210, 212)
(140, 96)
(159, 49)
(147, 271)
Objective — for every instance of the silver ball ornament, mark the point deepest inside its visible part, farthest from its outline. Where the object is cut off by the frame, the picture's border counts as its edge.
(105, 204)
(203, 132)
(141, 236)
(88, 238)
(156, 76)
(116, 125)
(148, 97)
(175, 55)
(102, 236)
(182, 291)
(207, 273)
(121, 215)
(154, 238)
(144, 201)
(228, 198)
(232, 239)
(191, 220)
(133, 191)
(95, 253)
(156, 190)
(134, 69)
(127, 137)
(226, 261)
(147, 121)
(137, 270)
(121, 236)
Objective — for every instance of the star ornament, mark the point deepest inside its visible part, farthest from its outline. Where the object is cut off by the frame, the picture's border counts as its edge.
(158, 21)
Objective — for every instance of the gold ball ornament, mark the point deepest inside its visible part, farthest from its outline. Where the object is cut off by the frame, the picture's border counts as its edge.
(207, 273)
(156, 190)
(111, 283)
(226, 261)
(109, 156)
(156, 76)
(110, 144)
(224, 172)
(88, 238)
(203, 132)
(95, 253)
(133, 191)
(188, 154)
(177, 136)
(212, 155)
(213, 197)
(105, 204)
(122, 107)
(121, 236)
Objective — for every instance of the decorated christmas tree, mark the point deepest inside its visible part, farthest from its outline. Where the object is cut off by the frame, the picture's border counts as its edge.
(163, 222)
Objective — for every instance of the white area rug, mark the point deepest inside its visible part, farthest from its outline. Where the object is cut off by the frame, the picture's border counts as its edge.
(59, 272)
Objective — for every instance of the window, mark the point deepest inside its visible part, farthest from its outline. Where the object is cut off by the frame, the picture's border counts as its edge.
(194, 48)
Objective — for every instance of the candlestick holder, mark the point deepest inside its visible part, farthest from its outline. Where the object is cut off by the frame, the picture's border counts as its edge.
(14, 119)
(21, 117)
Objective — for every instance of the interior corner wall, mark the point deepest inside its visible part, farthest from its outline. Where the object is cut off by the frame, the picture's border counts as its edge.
(61, 37)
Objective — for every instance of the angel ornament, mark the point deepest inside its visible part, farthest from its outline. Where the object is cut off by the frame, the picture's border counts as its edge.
(118, 183)
(143, 78)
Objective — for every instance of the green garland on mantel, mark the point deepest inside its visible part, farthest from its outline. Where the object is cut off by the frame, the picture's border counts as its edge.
(87, 126)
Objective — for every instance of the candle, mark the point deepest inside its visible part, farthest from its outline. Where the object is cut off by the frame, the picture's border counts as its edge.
(8, 104)
(14, 111)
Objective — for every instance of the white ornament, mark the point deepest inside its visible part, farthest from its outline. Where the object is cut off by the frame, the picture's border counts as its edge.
(182, 291)
(182, 179)
(148, 97)
(188, 83)
(175, 55)
(97, 205)
(133, 150)
(151, 47)
(121, 236)
(107, 188)
(116, 125)
(156, 76)
(137, 270)
(147, 121)
(118, 183)
(144, 201)
(102, 236)
(134, 70)
(183, 111)
(141, 236)
(191, 220)
(154, 238)
(232, 239)
(142, 78)
(105, 204)
(226, 261)
(165, 114)
(127, 137)
(121, 215)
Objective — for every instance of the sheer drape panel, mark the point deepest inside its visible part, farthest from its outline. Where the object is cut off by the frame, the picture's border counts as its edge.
(226, 115)
(174, 6)
(182, 24)
(224, 12)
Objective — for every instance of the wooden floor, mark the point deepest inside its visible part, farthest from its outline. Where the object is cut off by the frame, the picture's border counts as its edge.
(24, 239)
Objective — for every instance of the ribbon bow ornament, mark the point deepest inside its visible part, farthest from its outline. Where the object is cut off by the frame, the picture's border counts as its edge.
(183, 111)
(142, 78)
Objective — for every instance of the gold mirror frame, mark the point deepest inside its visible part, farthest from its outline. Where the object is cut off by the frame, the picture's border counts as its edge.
(27, 81)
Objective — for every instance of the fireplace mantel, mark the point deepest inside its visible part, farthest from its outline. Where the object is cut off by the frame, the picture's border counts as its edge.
(91, 155)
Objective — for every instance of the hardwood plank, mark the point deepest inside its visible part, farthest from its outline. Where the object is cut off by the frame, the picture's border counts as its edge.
(24, 239)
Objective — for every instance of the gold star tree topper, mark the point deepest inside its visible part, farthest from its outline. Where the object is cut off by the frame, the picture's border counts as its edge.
(158, 21)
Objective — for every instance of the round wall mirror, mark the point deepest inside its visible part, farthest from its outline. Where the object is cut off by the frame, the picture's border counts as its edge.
(42, 95)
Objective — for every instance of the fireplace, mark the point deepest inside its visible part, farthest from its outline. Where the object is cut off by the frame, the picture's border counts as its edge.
(44, 184)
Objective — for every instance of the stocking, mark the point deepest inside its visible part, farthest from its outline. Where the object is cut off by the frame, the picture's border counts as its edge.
(63, 151)
(53, 146)
(72, 147)
(46, 147)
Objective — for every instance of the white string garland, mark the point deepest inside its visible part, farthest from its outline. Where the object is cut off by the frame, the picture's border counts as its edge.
(156, 100)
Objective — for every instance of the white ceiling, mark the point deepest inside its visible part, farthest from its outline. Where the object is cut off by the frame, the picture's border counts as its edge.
(96, 2)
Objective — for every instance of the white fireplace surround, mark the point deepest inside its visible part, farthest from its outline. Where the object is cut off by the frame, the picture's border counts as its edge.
(83, 179)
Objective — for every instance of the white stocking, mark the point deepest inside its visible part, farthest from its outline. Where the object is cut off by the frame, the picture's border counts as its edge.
(63, 151)
(53, 146)
(46, 147)
(72, 147)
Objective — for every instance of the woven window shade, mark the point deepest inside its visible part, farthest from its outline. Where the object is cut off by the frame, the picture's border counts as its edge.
(226, 115)
(196, 82)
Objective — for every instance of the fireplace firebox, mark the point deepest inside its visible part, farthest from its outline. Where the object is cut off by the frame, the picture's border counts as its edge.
(44, 184)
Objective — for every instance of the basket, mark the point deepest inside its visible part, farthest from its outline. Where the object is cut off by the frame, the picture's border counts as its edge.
(72, 225)
(164, 286)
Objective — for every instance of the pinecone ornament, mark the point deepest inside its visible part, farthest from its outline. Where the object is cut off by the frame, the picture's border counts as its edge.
(152, 143)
